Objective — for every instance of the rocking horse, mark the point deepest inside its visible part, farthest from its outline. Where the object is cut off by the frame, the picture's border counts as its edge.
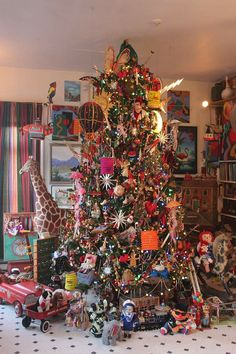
(49, 218)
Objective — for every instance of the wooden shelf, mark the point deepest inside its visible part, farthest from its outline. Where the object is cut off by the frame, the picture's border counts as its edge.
(221, 102)
(230, 198)
(229, 215)
(227, 161)
(225, 181)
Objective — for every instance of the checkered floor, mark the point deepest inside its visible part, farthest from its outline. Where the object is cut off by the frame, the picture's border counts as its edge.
(15, 339)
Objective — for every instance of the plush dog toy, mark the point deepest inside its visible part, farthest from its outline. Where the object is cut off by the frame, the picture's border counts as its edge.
(44, 301)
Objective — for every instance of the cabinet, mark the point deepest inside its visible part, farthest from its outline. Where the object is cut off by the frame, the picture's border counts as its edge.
(199, 197)
(227, 188)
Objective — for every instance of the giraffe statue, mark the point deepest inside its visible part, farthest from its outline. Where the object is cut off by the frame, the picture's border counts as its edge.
(48, 216)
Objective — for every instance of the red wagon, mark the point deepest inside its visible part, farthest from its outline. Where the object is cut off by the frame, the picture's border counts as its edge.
(25, 292)
(30, 314)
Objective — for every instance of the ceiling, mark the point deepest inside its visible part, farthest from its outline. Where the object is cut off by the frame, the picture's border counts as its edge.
(190, 39)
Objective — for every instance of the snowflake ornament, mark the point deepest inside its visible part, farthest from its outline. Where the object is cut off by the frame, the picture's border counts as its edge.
(119, 219)
(107, 181)
(163, 138)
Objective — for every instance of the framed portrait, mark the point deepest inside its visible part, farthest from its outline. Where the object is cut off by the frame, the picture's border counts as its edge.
(178, 106)
(63, 196)
(71, 91)
(186, 153)
(62, 162)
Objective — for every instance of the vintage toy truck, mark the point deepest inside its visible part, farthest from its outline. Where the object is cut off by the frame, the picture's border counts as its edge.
(20, 294)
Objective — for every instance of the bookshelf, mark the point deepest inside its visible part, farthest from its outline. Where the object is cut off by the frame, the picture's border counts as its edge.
(227, 188)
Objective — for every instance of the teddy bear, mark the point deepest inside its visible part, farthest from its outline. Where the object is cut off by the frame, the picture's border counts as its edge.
(204, 249)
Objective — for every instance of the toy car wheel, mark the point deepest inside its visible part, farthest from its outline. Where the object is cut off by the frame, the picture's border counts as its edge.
(18, 309)
(44, 326)
(26, 321)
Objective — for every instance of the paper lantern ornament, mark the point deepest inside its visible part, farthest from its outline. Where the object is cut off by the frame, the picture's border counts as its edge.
(149, 240)
(154, 96)
(91, 117)
(107, 165)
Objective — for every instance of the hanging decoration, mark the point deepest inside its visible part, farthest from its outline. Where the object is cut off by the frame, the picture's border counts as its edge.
(149, 240)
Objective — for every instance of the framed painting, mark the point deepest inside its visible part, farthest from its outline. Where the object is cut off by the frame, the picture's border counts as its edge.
(186, 153)
(62, 162)
(65, 123)
(178, 106)
(71, 91)
(63, 196)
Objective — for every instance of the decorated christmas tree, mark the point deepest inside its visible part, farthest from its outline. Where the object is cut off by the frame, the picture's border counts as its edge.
(128, 213)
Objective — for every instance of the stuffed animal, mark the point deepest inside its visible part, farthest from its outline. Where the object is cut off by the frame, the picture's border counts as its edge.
(179, 321)
(97, 316)
(60, 297)
(44, 302)
(204, 249)
(129, 318)
(111, 332)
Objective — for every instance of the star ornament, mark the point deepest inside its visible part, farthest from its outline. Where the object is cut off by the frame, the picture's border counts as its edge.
(119, 219)
(107, 181)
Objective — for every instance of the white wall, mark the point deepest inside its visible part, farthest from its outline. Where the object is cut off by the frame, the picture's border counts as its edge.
(27, 85)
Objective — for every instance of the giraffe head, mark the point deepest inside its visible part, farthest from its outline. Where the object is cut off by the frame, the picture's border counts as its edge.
(29, 165)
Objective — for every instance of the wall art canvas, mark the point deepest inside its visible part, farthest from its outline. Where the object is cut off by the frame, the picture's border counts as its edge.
(63, 196)
(62, 161)
(178, 106)
(186, 153)
(65, 123)
(71, 91)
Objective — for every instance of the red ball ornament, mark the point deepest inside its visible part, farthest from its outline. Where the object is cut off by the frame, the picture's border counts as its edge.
(150, 207)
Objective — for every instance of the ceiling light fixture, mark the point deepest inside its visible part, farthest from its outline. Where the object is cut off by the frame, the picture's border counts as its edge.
(156, 21)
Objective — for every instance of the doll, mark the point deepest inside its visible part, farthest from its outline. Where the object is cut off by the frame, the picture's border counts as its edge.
(77, 316)
(128, 318)
(204, 249)
(179, 321)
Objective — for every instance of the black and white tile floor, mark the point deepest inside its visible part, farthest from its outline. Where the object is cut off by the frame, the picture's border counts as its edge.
(15, 339)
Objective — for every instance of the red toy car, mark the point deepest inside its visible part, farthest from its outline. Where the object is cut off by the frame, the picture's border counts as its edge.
(25, 292)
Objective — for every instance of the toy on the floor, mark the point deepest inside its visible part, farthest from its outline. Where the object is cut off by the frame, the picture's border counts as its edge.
(97, 316)
(129, 318)
(206, 315)
(23, 292)
(111, 332)
(179, 321)
(77, 315)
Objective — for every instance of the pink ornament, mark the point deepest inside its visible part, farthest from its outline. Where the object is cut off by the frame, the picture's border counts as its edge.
(76, 175)
(107, 165)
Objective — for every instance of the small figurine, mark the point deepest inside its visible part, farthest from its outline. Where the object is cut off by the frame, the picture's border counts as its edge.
(179, 321)
(128, 318)
(206, 318)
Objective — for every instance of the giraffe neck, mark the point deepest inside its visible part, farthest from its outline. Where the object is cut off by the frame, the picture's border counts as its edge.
(38, 182)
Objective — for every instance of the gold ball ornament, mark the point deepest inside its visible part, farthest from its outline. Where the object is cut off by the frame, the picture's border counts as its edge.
(119, 190)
